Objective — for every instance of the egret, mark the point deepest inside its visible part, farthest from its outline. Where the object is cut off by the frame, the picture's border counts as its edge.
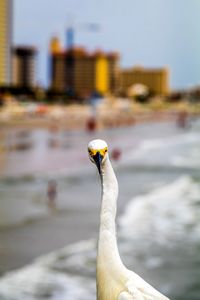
(114, 280)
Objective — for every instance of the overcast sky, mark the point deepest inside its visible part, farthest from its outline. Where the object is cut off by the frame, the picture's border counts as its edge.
(145, 32)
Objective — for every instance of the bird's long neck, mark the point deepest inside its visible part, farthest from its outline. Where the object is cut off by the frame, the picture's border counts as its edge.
(109, 189)
(110, 269)
(107, 246)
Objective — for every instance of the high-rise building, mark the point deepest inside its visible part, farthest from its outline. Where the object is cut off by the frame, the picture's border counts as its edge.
(155, 79)
(5, 41)
(23, 73)
(81, 73)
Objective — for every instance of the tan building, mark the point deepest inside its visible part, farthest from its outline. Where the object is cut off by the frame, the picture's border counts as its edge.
(5, 41)
(79, 72)
(84, 73)
(155, 79)
(23, 72)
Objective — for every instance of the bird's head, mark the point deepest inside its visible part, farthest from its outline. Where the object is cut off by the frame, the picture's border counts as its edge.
(98, 152)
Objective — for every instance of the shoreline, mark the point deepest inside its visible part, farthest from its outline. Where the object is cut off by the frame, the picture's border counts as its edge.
(22, 244)
(76, 122)
(109, 112)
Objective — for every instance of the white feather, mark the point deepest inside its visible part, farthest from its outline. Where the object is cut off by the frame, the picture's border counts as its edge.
(114, 280)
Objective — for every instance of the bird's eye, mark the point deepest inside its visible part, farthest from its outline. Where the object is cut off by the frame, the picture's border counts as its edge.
(89, 151)
(106, 150)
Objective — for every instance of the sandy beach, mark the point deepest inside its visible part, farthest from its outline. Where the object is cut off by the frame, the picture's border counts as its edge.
(159, 165)
(108, 113)
(77, 214)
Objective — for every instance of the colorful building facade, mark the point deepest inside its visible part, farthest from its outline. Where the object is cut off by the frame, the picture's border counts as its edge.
(81, 73)
(24, 65)
(155, 79)
(5, 41)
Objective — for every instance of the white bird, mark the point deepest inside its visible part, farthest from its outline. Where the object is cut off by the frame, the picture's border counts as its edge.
(114, 280)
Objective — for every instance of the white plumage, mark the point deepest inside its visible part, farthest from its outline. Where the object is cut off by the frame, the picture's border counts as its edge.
(114, 280)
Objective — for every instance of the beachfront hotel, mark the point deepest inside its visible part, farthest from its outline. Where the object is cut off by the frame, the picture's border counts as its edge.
(5, 41)
(155, 79)
(23, 66)
(76, 71)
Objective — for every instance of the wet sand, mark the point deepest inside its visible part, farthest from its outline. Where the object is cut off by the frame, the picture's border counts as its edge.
(78, 119)
(20, 245)
(158, 234)
(78, 218)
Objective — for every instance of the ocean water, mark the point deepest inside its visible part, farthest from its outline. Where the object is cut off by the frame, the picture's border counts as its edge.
(158, 221)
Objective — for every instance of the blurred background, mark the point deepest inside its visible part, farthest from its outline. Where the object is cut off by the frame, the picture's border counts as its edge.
(127, 72)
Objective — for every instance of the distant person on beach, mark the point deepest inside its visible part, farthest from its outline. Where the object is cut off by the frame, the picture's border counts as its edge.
(52, 194)
(182, 119)
(116, 154)
(91, 124)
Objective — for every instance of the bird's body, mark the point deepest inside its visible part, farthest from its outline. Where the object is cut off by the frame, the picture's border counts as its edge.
(114, 280)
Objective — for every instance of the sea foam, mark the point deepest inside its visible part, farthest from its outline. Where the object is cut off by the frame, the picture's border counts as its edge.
(165, 215)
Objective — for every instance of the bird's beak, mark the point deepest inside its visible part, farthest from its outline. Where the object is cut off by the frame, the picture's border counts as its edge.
(98, 159)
